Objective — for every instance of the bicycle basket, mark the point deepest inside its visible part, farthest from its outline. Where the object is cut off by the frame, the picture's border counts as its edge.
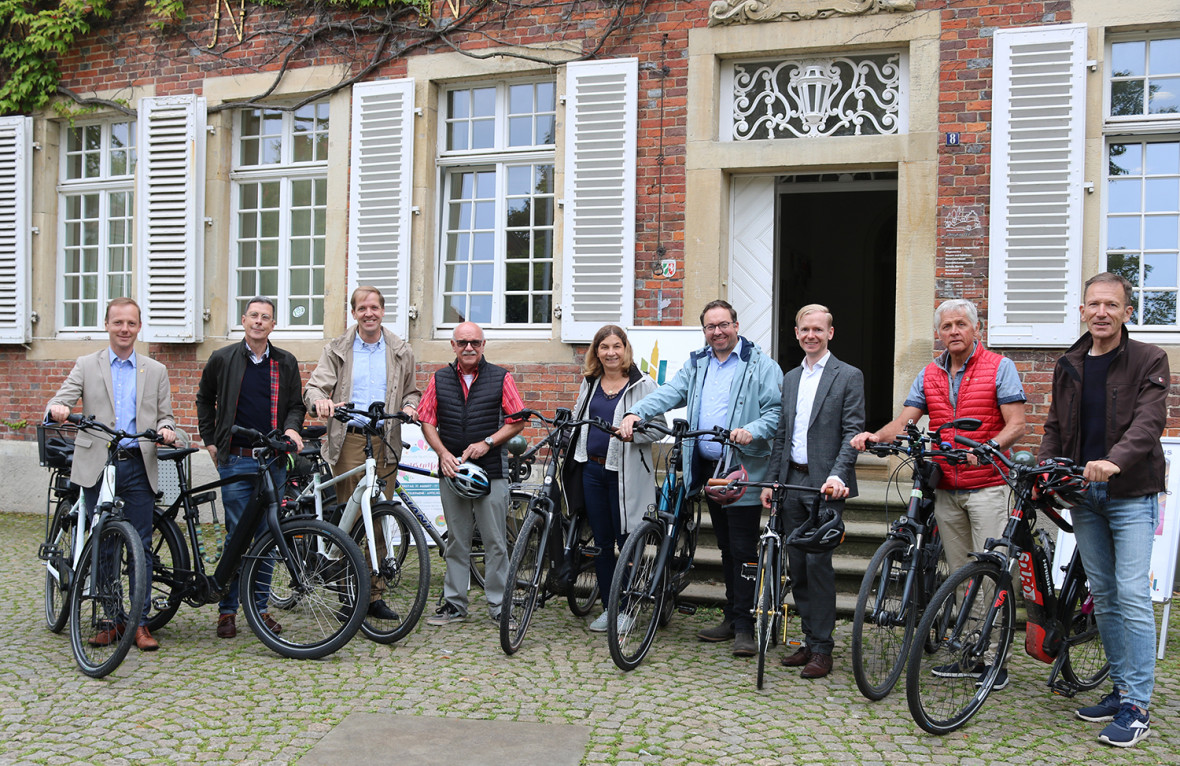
(55, 444)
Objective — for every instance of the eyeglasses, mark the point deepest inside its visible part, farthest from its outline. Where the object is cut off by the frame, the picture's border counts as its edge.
(722, 326)
(472, 343)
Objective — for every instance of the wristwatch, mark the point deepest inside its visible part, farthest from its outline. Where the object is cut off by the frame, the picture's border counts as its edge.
(490, 442)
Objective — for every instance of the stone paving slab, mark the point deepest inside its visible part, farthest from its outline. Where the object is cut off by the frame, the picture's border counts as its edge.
(376, 738)
(201, 699)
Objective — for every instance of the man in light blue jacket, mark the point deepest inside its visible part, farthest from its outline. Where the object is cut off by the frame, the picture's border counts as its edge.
(729, 383)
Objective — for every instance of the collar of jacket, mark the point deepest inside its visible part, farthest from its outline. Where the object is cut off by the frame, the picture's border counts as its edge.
(342, 346)
(633, 374)
(747, 350)
(483, 362)
(1076, 354)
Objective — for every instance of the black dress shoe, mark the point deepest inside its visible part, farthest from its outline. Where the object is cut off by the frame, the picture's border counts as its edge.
(379, 610)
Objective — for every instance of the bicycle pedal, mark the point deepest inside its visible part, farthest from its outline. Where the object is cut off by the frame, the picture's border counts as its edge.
(750, 570)
(46, 551)
(686, 608)
(1064, 689)
(590, 551)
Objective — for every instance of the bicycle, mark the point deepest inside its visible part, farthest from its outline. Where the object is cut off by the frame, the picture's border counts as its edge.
(394, 546)
(972, 634)
(655, 561)
(98, 559)
(908, 567)
(323, 578)
(554, 553)
(772, 572)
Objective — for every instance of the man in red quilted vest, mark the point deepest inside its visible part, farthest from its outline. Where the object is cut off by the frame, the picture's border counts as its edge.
(965, 381)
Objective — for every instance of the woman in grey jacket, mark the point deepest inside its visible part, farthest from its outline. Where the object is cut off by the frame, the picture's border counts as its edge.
(613, 480)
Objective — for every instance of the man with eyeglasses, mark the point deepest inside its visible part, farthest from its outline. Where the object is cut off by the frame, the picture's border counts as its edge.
(366, 364)
(733, 384)
(252, 384)
(462, 415)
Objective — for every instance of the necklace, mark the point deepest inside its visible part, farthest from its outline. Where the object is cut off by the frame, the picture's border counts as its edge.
(611, 394)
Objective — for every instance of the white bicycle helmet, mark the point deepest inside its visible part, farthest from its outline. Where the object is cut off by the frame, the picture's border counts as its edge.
(469, 481)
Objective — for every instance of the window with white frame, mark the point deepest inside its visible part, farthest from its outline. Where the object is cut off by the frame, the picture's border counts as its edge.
(95, 221)
(495, 265)
(280, 202)
(1142, 183)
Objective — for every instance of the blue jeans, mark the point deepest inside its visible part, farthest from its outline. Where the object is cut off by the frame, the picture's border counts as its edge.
(235, 496)
(1114, 537)
(605, 521)
(139, 504)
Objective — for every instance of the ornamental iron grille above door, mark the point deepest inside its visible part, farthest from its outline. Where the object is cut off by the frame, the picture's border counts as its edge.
(804, 98)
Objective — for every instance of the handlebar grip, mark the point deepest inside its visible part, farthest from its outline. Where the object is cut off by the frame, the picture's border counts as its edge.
(966, 442)
(718, 481)
(75, 418)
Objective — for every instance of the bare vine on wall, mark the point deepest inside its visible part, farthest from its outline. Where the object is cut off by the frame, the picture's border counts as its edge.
(365, 34)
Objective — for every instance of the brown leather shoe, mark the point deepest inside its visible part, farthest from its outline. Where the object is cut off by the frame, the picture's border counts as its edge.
(819, 666)
(108, 635)
(801, 657)
(271, 623)
(226, 626)
(144, 640)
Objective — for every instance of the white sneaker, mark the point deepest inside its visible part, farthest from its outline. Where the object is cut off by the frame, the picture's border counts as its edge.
(625, 623)
(600, 623)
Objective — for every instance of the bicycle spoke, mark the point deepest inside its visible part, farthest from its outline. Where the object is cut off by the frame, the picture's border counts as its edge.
(883, 624)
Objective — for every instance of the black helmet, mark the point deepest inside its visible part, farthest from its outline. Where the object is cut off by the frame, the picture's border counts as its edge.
(822, 532)
(1062, 491)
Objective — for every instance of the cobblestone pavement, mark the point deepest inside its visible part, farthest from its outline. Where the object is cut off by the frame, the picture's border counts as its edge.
(201, 699)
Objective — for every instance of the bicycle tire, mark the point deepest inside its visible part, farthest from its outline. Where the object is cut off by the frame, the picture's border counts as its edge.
(1085, 665)
(680, 564)
(57, 586)
(169, 555)
(402, 578)
(936, 576)
(583, 594)
(330, 597)
(882, 625)
(634, 606)
(942, 702)
(766, 606)
(527, 573)
(518, 506)
(102, 601)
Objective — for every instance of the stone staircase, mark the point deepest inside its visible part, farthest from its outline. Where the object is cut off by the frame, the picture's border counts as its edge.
(866, 521)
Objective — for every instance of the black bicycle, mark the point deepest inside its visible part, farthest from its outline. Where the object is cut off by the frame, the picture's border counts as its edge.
(655, 561)
(908, 567)
(554, 552)
(972, 617)
(310, 567)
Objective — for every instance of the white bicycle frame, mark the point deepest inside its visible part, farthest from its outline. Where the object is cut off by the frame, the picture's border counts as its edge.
(106, 494)
(361, 503)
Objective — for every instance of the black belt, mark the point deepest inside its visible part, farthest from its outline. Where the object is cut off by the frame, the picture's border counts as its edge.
(359, 430)
(241, 451)
(597, 459)
(128, 453)
(797, 466)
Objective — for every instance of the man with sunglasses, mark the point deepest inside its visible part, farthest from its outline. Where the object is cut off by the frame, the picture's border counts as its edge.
(463, 419)
(366, 364)
(730, 383)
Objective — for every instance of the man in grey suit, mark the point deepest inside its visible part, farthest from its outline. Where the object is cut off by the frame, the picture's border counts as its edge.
(823, 408)
(128, 392)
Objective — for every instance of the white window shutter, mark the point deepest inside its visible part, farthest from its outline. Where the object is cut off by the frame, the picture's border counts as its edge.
(16, 186)
(1038, 136)
(598, 262)
(170, 188)
(380, 194)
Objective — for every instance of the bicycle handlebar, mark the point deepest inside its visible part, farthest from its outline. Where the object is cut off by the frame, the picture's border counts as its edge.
(279, 444)
(375, 413)
(775, 485)
(87, 422)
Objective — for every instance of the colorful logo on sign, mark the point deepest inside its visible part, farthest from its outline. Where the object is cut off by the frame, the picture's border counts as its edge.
(655, 367)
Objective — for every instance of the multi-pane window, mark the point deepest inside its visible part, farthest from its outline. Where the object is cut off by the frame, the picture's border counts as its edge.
(496, 264)
(280, 205)
(96, 209)
(1142, 184)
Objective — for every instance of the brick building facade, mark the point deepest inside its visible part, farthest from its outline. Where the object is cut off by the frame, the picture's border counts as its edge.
(699, 202)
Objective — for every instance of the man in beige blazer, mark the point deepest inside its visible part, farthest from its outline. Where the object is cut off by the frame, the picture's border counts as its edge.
(130, 392)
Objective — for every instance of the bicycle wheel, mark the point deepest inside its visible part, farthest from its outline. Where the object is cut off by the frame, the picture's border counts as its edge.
(105, 606)
(328, 591)
(518, 506)
(948, 686)
(937, 570)
(636, 597)
(400, 578)
(883, 624)
(60, 566)
(766, 610)
(527, 572)
(583, 593)
(680, 562)
(1085, 664)
(170, 566)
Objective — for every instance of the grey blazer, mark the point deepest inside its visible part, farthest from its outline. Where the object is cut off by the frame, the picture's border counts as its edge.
(91, 380)
(837, 415)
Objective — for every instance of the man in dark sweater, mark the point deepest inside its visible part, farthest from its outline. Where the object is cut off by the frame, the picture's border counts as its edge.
(462, 415)
(255, 385)
(1108, 412)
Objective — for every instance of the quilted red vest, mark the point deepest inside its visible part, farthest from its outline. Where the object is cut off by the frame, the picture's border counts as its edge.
(977, 399)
